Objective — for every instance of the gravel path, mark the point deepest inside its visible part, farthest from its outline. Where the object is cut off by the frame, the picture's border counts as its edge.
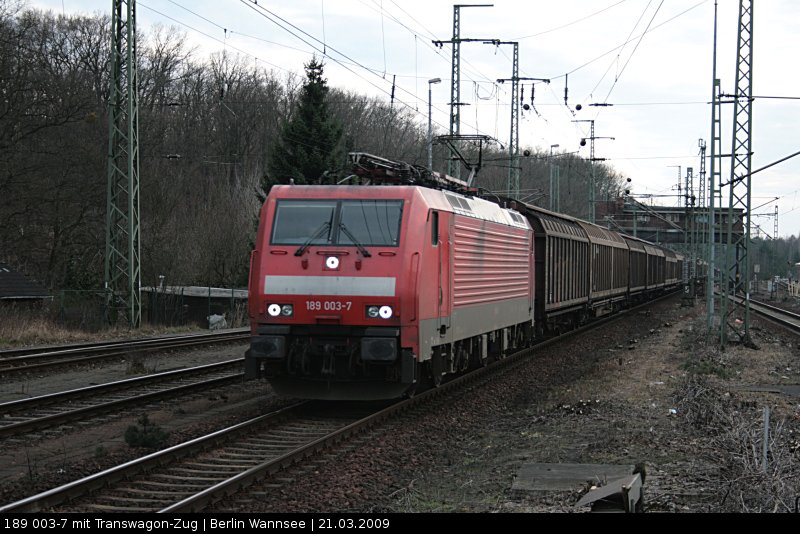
(645, 390)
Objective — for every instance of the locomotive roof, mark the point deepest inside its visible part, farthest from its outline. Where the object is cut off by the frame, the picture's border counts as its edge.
(472, 207)
(435, 198)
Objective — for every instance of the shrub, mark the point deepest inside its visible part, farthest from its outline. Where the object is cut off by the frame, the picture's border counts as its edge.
(149, 436)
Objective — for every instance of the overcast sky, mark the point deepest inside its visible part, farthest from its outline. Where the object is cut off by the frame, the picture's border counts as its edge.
(651, 59)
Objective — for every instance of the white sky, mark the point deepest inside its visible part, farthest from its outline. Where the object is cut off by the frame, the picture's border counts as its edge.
(659, 83)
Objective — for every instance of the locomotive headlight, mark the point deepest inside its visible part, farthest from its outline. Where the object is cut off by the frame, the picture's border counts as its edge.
(274, 310)
(332, 262)
(385, 312)
(287, 310)
(373, 312)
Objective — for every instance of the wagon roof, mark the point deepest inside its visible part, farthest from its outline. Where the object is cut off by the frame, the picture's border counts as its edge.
(555, 224)
(601, 236)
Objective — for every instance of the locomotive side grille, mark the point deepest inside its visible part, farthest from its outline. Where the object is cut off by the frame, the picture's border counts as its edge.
(490, 262)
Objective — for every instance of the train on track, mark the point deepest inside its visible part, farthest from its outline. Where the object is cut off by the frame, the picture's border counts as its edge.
(369, 291)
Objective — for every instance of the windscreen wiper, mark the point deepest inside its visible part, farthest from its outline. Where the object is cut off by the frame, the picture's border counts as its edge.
(364, 252)
(326, 225)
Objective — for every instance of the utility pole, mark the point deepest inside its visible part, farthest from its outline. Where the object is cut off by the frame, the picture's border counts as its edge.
(689, 266)
(431, 82)
(455, 77)
(592, 160)
(701, 200)
(512, 186)
(123, 248)
(714, 186)
(554, 201)
(775, 233)
(680, 178)
(737, 261)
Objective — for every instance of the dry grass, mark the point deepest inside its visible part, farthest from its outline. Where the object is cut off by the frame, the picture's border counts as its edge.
(729, 428)
(30, 326)
(751, 486)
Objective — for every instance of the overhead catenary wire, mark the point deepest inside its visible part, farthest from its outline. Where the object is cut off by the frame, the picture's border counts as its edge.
(627, 40)
(223, 42)
(567, 25)
(616, 79)
(326, 49)
(201, 32)
(271, 16)
(217, 39)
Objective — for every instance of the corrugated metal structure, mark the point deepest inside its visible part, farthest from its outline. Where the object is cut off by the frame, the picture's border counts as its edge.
(16, 287)
(609, 272)
(656, 266)
(562, 254)
(674, 267)
(489, 264)
(638, 264)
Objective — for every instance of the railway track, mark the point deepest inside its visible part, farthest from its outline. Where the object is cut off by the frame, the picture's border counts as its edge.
(48, 411)
(187, 476)
(191, 476)
(777, 315)
(25, 360)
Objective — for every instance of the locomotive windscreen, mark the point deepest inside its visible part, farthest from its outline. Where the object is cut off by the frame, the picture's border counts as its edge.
(331, 222)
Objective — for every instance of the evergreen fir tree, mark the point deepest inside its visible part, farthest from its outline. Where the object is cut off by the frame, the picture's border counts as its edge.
(308, 149)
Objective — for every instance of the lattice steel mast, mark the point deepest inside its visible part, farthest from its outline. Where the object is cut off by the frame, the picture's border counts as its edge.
(738, 270)
(123, 247)
(512, 185)
(455, 77)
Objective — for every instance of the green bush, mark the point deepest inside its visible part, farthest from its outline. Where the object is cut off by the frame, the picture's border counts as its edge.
(149, 436)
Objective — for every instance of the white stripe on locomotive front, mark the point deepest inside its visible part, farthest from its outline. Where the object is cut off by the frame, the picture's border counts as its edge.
(356, 286)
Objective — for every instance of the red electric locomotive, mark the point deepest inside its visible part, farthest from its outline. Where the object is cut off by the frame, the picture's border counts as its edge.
(364, 291)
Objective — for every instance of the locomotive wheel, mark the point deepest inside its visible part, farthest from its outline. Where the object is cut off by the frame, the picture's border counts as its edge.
(437, 380)
(480, 358)
(436, 367)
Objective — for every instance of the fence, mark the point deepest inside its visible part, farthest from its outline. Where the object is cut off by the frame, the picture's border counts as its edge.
(170, 306)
